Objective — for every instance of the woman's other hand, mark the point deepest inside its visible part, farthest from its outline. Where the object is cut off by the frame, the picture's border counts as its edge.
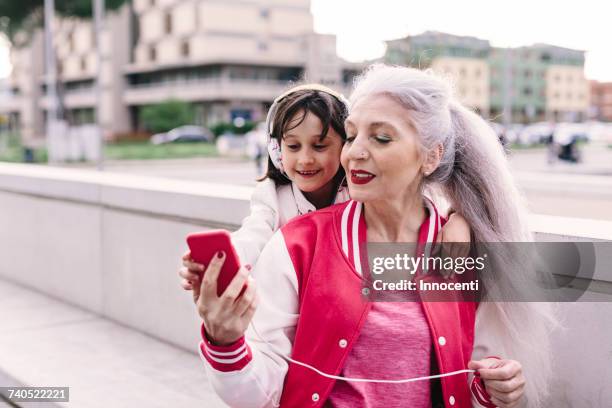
(226, 317)
(503, 380)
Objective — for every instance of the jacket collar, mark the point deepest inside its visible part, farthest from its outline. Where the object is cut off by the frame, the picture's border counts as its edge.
(304, 206)
(353, 234)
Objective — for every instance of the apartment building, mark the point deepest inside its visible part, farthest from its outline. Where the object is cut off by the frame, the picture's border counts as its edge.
(601, 101)
(463, 59)
(229, 58)
(531, 83)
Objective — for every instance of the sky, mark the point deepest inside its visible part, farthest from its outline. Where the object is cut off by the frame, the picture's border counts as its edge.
(362, 26)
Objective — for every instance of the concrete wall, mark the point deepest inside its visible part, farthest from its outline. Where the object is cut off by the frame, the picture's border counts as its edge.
(111, 243)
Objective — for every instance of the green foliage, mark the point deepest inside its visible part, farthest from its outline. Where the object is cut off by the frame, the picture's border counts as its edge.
(147, 151)
(11, 149)
(167, 115)
(226, 127)
(17, 15)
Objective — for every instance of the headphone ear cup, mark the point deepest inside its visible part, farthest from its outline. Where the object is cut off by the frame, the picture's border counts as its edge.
(274, 152)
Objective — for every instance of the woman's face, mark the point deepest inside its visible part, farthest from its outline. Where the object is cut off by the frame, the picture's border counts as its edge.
(311, 163)
(381, 155)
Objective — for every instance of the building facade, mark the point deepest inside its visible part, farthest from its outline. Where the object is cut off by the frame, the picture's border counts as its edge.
(523, 84)
(601, 101)
(463, 59)
(227, 58)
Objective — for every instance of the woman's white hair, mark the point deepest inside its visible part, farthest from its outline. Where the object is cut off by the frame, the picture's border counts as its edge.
(474, 176)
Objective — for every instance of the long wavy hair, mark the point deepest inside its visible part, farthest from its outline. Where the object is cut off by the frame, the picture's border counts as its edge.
(474, 177)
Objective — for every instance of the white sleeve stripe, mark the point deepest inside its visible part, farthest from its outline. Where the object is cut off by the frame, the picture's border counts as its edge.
(356, 255)
(225, 353)
(344, 229)
(229, 361)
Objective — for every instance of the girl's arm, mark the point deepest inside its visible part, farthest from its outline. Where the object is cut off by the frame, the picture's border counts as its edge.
(249, 372)
(257, 228)
(454, 240)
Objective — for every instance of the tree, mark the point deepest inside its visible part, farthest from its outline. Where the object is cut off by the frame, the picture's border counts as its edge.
(27, 15)
(166, 115)
(20, 19)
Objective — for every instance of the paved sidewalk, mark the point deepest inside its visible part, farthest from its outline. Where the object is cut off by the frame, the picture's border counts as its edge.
(45, 342)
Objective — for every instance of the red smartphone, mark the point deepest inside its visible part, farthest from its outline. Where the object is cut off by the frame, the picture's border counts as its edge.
(204, 246)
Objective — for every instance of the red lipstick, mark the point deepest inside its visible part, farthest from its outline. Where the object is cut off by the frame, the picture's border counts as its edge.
(361, 177)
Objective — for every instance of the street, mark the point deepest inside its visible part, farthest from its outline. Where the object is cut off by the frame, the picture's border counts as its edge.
(581, 190)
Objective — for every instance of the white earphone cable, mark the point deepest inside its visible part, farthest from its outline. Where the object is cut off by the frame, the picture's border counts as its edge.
(337, 377)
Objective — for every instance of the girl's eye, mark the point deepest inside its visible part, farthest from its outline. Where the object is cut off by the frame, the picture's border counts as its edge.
(320, 146)
(293, 147)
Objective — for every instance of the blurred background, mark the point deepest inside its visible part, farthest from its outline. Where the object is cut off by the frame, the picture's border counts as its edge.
(205, 73)
(125, 125)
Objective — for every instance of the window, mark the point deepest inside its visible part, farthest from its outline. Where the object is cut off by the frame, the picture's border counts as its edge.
(83, 64)
(527, 91)
(152, 53)
(264, 13)
(168, 23)
(262, 46)
(185, 49)
(477, 73)
(527, 73)
(71, 42)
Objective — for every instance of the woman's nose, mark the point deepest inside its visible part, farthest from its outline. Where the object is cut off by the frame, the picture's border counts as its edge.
(357, 151)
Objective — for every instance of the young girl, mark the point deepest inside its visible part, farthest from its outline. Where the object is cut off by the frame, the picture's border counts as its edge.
(306, 134)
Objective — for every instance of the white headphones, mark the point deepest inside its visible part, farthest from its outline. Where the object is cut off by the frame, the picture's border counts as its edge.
(273, 146)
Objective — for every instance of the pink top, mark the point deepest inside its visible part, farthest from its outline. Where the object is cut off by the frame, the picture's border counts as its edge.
(394, 343)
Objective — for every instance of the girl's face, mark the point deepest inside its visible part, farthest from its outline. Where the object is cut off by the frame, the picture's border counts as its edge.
(309, 162)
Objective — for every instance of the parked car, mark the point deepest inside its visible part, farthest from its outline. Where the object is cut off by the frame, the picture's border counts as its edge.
(535, 133)
(182, 134)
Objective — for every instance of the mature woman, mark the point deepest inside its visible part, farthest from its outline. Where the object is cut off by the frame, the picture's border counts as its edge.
(405, 133)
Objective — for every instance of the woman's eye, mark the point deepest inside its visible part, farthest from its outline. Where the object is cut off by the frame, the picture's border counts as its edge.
(382, 139)
(349, 139)
(320, 146)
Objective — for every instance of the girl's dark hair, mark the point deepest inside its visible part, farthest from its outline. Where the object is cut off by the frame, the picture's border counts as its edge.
(330, 111)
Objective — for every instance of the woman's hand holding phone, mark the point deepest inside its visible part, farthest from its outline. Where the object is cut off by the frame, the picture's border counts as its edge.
(191, 275)
(226, 317)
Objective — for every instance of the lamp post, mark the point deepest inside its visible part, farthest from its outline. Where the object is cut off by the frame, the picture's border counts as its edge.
(98, 14)
(50, 80)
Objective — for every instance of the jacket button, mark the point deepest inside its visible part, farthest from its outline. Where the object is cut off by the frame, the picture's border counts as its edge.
(451, 400)
(441, 340)
(342, 343)
(315, 397)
